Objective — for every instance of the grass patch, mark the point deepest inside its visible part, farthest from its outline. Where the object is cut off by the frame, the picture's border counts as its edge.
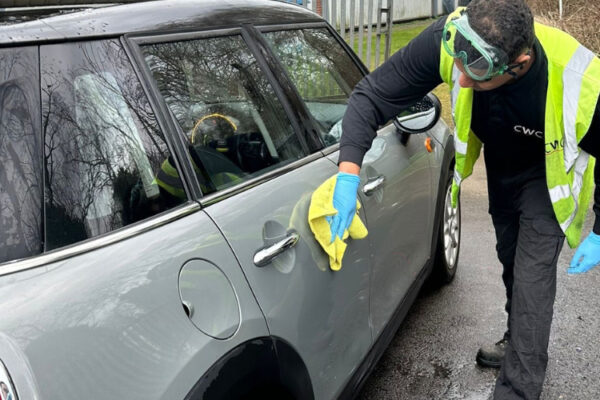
(401, 35)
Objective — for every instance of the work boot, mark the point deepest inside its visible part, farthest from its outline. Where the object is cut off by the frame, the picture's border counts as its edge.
(491, 356)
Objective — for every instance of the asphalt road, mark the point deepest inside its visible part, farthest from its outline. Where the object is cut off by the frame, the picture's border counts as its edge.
(433, 353)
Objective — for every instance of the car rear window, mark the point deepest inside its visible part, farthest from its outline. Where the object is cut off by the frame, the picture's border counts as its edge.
(103, 149)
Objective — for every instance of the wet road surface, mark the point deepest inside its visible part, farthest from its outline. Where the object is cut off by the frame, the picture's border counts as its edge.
(433, 353)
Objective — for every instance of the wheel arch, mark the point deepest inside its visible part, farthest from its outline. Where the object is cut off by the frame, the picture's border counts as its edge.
(254, 368)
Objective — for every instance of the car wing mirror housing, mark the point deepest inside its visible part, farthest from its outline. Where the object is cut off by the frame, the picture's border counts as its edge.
(418, 118)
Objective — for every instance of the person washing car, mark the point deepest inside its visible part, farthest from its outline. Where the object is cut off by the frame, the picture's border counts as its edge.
(528, 95)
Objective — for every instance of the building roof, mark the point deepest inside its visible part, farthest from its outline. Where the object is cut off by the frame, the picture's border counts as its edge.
(154, 16)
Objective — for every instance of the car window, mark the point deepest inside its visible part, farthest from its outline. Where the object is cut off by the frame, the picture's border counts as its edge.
(107, 163)
(20, 155)
(232, 120)
(324, 75)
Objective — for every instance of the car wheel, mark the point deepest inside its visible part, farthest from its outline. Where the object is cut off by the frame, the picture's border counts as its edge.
(448, 246)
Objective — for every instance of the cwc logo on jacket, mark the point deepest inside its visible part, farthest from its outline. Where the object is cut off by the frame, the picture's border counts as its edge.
(528, 132)
(555, 146)
(550, 147)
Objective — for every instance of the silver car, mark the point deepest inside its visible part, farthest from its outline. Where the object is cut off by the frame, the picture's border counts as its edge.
(157, 162)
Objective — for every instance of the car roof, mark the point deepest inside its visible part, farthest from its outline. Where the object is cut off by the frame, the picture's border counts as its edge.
(154, 16)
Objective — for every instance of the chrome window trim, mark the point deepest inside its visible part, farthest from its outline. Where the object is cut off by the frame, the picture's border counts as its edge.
(291, 26)
(98, 242)
(243, 186)
(331, 149)
(157, 38)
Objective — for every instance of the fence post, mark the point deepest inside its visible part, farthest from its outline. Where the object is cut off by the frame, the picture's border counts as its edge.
(334, 14)
(378, 33)
(389, 25)
(352, 21)
(560, 9)
(369, 32)
(361, 26)
(343, 19)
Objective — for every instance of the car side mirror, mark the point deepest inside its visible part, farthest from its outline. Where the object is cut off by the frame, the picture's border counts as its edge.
(418, 118)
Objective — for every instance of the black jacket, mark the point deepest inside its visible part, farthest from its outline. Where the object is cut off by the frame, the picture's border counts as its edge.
(508, 120)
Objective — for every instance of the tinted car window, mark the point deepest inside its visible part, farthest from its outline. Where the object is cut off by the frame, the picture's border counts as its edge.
(323, 73)
(103, 151)
(231, 118)
(20, 155)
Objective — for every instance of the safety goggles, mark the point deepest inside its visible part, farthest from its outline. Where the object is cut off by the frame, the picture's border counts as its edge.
(485, 61)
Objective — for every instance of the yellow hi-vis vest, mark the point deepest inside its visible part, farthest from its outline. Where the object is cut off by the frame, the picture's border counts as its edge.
(573, 89)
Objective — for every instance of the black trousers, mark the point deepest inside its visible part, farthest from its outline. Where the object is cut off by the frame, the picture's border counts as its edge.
(529, 240)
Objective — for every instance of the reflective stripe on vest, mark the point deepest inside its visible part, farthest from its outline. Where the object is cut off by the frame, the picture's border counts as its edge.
(455, 89)
(459, 145)
(573, 89)
(168, 178)
(572, 81)
(566, 192)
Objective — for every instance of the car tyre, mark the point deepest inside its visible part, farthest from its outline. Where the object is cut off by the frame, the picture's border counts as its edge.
(269, 393)
(448, 240)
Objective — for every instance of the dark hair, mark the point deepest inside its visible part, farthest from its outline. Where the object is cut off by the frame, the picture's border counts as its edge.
(506, 24)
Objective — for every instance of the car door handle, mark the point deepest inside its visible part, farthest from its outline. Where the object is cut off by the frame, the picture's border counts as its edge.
(373, 184)
(264, 256)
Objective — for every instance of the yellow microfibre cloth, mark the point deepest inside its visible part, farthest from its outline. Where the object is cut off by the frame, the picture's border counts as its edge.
(321, 206)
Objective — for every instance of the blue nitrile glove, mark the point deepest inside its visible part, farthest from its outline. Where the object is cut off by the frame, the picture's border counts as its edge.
(344, 201)
(587, 255)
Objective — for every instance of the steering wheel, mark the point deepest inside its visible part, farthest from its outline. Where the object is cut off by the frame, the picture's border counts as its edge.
(213, 129)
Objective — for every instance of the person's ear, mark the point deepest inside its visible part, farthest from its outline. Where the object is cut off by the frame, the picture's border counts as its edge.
(523, 59)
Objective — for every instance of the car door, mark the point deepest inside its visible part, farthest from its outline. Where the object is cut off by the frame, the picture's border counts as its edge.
(395, 189)
(97, 259)
(257, 175)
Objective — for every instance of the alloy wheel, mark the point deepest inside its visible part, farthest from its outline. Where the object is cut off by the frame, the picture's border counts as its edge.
(451, 230)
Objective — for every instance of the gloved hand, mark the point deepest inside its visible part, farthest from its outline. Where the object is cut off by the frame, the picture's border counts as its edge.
(344, 201)
(587, 255)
